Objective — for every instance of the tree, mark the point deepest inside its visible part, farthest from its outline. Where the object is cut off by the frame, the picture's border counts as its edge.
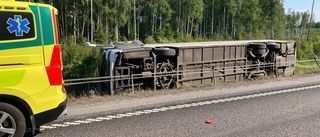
(304, 21)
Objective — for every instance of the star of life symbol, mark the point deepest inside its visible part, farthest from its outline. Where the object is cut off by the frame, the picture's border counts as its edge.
(18, 25)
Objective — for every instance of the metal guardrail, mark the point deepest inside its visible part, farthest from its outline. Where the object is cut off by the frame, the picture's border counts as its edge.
(69, 82)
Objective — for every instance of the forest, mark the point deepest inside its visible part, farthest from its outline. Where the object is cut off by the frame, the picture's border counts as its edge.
(161, 21)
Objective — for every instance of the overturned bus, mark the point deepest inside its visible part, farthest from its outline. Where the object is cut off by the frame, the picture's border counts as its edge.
(135, 65)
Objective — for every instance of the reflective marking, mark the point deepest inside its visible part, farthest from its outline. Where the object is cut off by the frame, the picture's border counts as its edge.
(136, 113)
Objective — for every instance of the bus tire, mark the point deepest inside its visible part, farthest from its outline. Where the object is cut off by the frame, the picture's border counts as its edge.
(257, 46)
(273, 46)
(165, 52)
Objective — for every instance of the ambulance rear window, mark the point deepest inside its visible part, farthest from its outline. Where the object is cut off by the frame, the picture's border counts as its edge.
(16, 26)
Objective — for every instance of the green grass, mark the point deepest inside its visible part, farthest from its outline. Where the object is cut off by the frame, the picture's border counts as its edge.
(306, 68)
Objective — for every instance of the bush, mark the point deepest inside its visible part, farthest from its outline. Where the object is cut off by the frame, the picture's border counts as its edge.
(304, 48)
(150, 40)
(79, 62)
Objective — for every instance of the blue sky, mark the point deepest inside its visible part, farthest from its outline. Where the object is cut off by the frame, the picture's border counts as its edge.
(303, 5)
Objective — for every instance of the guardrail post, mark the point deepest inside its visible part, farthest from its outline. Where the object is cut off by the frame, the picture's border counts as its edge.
(277, 70)
(132, 84)
(85, 69)
(214, 76)
(154, 71)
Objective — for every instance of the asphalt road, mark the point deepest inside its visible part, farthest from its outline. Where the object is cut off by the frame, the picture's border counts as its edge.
(290, 112)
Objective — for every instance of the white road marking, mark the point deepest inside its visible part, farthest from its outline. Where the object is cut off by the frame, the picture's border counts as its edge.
(162, 109)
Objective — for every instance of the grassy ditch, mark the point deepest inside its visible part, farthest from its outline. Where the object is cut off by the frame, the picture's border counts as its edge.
(306, 68)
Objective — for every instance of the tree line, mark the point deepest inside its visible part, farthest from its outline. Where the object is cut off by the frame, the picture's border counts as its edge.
(103, 21)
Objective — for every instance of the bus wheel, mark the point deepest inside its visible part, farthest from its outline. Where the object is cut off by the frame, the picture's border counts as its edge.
(165, 78)
(165, 52)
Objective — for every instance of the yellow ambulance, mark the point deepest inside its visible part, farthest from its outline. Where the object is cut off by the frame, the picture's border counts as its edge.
(31, 85)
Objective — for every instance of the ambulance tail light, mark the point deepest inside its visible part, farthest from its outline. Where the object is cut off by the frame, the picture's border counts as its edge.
(54, 70)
